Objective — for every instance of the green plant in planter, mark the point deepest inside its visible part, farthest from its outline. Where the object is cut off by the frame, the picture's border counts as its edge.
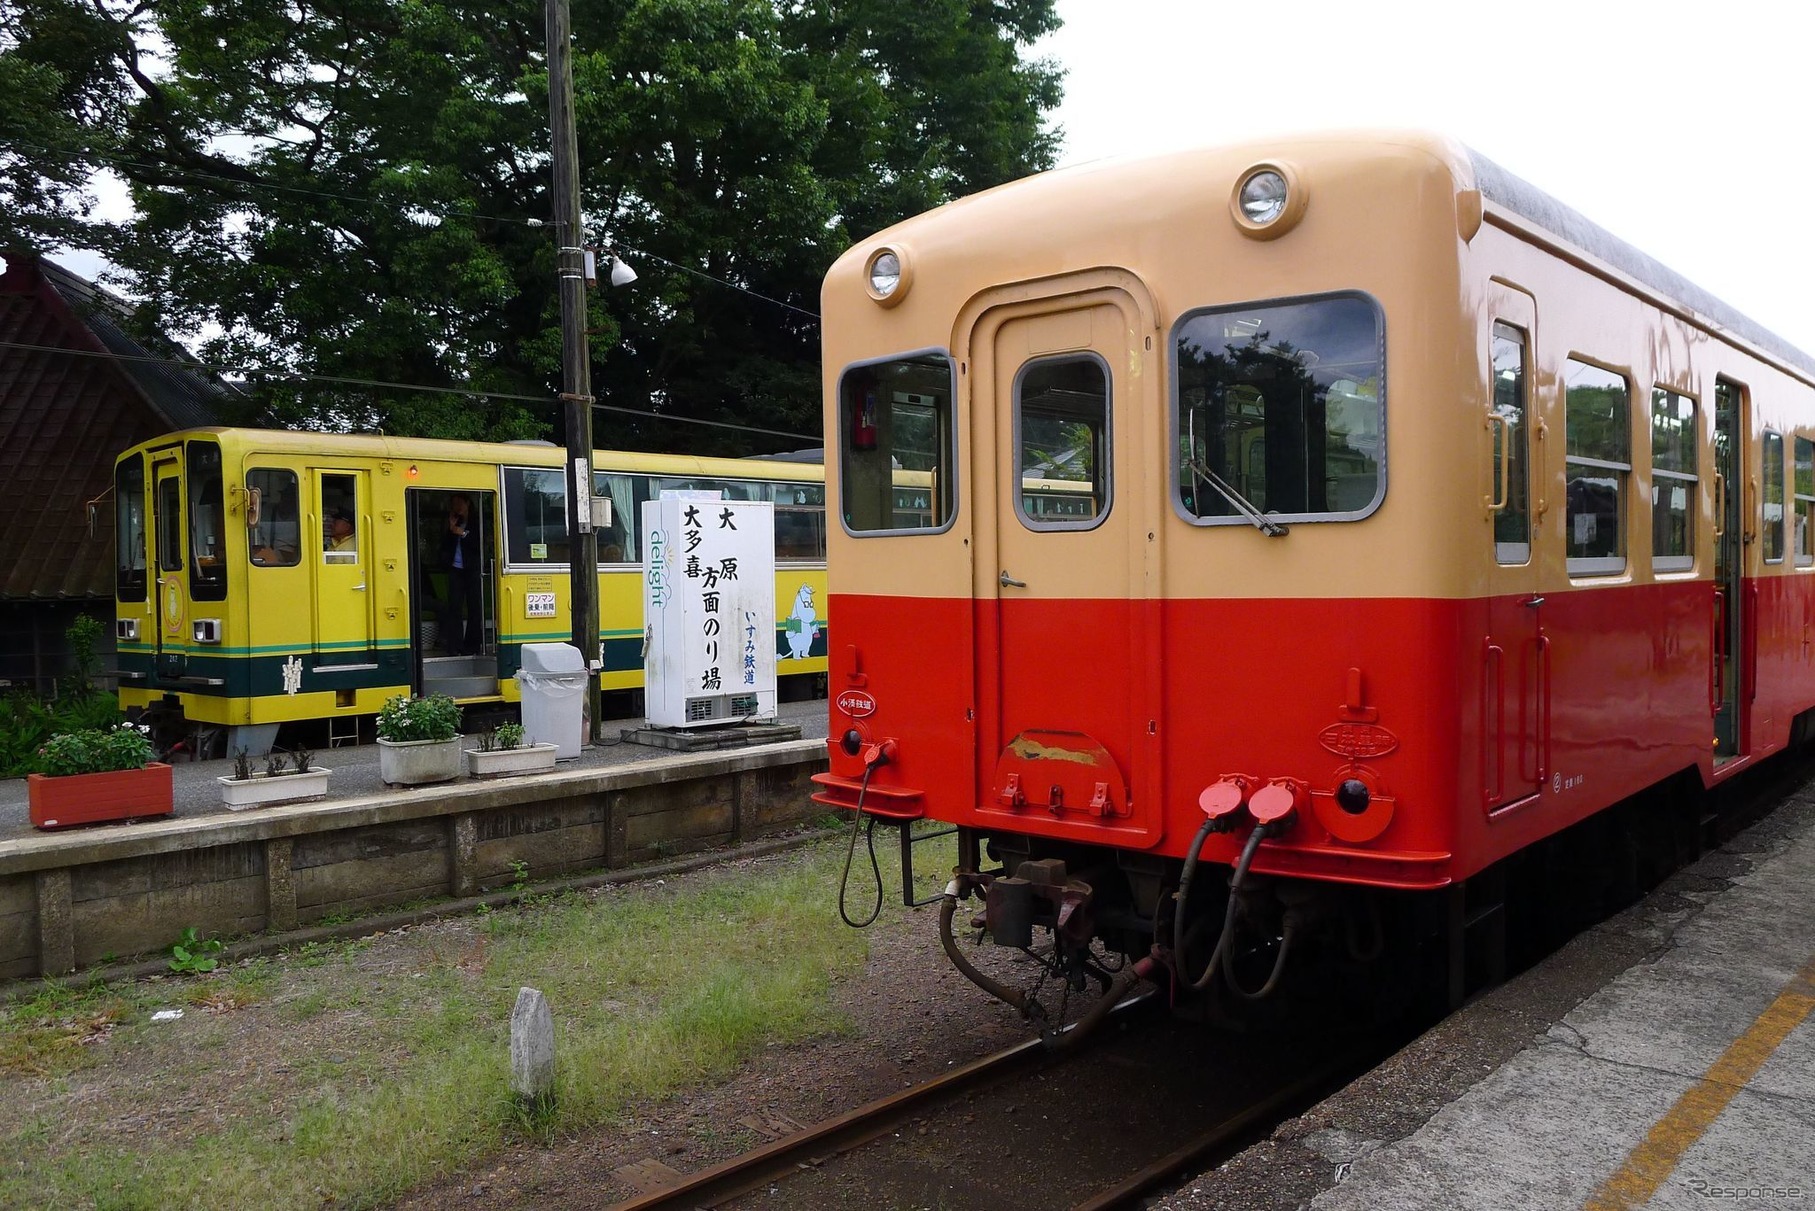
(510, 735)
(242, 766)
(428, 717)
(302, 759)
(96, 751)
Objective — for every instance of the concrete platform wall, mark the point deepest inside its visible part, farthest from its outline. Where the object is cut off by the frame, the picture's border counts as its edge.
(70, 900)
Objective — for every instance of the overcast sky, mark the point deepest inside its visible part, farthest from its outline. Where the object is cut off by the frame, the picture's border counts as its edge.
(1682, 128)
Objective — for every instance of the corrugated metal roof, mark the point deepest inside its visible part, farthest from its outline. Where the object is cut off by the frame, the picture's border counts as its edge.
(64, 418)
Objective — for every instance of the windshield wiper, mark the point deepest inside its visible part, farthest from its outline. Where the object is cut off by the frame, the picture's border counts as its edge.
(1260, 521)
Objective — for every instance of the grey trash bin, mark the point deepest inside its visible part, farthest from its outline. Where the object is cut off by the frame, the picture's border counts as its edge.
(552, 682)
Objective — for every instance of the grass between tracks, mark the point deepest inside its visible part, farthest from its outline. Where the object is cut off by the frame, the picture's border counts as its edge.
(350, 1073)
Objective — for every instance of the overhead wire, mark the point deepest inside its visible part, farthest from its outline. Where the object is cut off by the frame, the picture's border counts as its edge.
(343, 380)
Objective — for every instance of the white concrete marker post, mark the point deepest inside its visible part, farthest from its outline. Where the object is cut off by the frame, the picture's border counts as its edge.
(532, 1048)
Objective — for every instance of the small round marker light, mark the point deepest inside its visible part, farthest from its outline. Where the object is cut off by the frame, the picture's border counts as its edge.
(852, 742)
(1352, 796)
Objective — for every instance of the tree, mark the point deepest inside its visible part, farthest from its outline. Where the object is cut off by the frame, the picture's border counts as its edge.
(347, 190)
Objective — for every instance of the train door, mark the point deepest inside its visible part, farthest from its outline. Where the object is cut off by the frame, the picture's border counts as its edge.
(1725, 680)
(341, 521)
(1515, 654)
(1065, 525)
(169, 544)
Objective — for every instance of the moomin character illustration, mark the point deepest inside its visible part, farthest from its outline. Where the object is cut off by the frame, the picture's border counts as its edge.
(801, 625)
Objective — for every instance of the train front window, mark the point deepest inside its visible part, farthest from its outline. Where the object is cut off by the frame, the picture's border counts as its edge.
(1280, 411)
(1062, 435)
(207, 521)
(1598, 460)
(129, 529)
(897, 445)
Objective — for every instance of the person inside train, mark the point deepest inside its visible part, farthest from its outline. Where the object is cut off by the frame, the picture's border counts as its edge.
(462, 612)
(341, 540)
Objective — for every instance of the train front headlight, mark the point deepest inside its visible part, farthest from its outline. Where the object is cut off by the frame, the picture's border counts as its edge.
(888, 275)
(1268, 201)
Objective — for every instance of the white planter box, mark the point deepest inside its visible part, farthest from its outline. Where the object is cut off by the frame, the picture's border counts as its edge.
(414, 762)
(501, 762)
(263, 790)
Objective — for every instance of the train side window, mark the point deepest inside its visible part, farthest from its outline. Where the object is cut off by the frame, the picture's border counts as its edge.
(1805, 503)
(274, 530)
(129, 529)
(207, 521)
(1063, 443)
(1597, 421)
(618, 542)
(535, 516)
(1673, 478)
(897, 445)
(1771, 498)
(340, 519)
(1512, 520)
(1281, 410)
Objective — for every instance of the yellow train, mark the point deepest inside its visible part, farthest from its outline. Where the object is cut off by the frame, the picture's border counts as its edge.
(267, 577)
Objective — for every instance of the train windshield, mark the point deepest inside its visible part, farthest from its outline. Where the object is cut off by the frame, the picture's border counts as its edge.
(895, 444)
(1281, 410)
(129, 529)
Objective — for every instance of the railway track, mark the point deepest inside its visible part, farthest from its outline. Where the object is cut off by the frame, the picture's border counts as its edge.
(895, 1150)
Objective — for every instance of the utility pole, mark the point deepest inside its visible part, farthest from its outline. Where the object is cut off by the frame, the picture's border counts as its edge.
(576, 371)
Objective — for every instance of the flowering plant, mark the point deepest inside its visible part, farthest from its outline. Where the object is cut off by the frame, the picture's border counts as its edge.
(430, 717)
(96, 751)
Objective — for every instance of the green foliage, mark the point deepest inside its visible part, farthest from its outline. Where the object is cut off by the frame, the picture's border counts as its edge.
(242, 766)
(95, 751)
(194, 955)
(83, 637)
(346, 192)
(510, 735)
(428, 717)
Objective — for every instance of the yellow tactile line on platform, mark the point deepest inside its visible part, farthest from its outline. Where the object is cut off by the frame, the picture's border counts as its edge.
(1673, 1135)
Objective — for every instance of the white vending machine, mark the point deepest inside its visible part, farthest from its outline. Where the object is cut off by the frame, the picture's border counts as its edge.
(708, 610)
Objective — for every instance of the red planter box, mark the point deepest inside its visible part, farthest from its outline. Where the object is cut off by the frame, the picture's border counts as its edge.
(97, 798)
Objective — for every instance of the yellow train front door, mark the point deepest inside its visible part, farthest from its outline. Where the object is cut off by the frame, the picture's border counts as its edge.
(340, 531)
(170, 558)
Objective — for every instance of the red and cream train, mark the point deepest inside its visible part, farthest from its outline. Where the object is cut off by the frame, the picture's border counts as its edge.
(1413, 518)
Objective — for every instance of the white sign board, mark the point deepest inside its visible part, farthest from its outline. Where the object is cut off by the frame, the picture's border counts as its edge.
(709, 610)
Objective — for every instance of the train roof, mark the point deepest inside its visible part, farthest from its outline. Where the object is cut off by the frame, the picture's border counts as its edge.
(295, 442)
(1110, 191)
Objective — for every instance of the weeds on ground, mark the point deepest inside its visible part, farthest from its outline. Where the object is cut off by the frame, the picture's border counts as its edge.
(398, 1070)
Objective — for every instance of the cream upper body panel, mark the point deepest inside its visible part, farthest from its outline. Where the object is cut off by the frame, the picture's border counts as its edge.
(1394, 217)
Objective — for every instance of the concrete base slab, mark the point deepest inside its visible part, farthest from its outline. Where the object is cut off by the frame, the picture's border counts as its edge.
(711, 739)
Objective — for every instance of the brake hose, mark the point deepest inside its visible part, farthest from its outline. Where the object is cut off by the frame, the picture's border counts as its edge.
(844, 882)
(1184, 888)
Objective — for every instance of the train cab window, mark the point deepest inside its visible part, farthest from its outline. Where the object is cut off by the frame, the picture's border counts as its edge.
(207, 522)
(535, 516)
(1062, 439)
(340, 519)
(1805, 503)
(1771, 498)
(169, 514)
(1511, 483)
(129, 529)
(897, 445)
(1673, 477)
(1281, 411)
(273, 521)
(1597, 421)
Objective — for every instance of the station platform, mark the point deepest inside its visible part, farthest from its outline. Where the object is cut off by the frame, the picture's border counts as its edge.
(1663, 1059)
(197, 793)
